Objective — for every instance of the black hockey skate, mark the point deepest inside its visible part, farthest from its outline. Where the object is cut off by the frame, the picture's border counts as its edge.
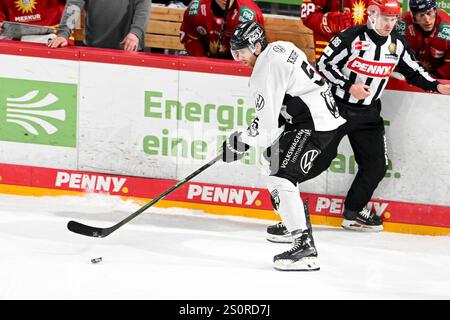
(278, 233)
(301, 257)
(364, 220)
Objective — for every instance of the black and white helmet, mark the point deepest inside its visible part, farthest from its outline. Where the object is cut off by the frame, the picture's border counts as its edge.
(246, 35)
(421, 5)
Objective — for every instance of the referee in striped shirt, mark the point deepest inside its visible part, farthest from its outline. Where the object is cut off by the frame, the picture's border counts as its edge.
(358, 62)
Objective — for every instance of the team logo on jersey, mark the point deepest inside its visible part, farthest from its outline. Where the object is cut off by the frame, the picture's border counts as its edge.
(437, 53)
(307, 159)
(259, 103)
(392, 52)
(336, 42)
(292, 57)
(392, 48)
(400, 27)
(26, 6)
(329, 101)
(371, 68)
(279, 49)
(201, 30)
(444, 32)
(362, 45)
(275, 199)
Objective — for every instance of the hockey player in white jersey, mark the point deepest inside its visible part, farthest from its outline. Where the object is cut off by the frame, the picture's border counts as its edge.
(296, 119)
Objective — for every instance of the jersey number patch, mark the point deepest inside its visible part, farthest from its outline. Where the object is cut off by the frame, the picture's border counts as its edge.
(311, 73)
(307, 9)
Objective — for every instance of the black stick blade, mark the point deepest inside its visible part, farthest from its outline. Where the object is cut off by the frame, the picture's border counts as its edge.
(86, 230)
(103, 232)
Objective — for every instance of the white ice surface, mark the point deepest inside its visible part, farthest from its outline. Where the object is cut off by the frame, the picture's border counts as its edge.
(184, 254)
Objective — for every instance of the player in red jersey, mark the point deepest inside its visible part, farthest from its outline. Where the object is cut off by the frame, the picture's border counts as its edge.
(202, 25)
(427, 30)
(328, 17)
(37, 12)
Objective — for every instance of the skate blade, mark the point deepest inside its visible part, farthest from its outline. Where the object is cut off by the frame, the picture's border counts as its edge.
(355, 226)
(304, 264)
(279, 239)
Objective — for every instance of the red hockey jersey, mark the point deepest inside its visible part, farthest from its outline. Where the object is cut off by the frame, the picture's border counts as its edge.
(312, 15)
(200, 30)
(39, 12)
(432, 49)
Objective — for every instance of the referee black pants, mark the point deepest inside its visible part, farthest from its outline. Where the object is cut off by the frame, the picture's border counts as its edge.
(365, 131)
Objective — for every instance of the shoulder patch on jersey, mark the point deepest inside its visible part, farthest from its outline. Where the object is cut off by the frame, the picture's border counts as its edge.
(444, 31)
(336, 42)
(246, 14)
(193, 8)
(279, 48)
(328, 51)
(292, 57)
(259, 102)
(400, 27)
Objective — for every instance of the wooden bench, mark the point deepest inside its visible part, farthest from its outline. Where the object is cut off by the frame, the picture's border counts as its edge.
(163, 31)
(290, 29)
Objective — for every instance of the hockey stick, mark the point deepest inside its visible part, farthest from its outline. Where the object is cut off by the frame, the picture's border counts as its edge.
(103, 232)
(222, 32)
(15, 30)
(307, 216)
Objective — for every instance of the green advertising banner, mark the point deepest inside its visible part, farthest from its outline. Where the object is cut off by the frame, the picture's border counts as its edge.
(38, 112)
(444, 5)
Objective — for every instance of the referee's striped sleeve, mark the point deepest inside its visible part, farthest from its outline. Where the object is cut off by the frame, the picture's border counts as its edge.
(413, 71)
(328, 64)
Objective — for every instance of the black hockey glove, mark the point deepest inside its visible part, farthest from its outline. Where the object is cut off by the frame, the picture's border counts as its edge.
(233, 148)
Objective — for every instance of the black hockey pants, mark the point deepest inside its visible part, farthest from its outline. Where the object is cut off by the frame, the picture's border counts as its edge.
(293, 154)
(365, 131)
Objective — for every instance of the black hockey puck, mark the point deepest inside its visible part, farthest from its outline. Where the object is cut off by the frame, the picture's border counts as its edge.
(96, 260)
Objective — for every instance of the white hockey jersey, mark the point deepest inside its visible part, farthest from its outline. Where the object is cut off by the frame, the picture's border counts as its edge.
(286, 89)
